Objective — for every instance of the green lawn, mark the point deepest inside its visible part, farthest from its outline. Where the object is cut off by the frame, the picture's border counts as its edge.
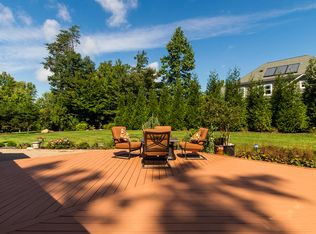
(241, 139)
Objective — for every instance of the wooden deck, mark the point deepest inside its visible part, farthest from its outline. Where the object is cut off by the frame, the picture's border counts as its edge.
(95, 193)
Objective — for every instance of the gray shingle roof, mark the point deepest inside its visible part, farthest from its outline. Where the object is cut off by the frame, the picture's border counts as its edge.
(260, 71)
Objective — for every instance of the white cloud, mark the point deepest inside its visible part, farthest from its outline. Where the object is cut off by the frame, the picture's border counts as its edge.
(154, 66)
(25, 18)
(50, 29)
(63, 12)
(42, 74)
(118, 9)
(6, 15)
(195, 29)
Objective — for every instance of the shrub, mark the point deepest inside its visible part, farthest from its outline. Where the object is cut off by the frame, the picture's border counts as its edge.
(293, 156)
(24, 145)
(83, 145)
(82, 126)
(108, 126)
(11, 144)
(151, 123)
(91, 127)
(103, 145)
(63, 143)
(2, 144)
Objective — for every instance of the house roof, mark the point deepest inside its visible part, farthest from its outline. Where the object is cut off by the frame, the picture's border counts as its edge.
(259, 73)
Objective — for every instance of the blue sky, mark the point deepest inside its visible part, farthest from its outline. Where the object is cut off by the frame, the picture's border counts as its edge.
(223, 33)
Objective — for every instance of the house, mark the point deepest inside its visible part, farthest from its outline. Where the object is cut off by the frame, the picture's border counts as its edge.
(270, 70)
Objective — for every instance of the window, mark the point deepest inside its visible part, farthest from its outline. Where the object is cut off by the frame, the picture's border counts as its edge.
(243, 91)
(301, 84)
(267, 89)
(292, 68)
(281, 70)
(270, 71)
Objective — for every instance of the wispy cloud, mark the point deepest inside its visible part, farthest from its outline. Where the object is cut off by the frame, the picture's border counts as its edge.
(195, 29)
(6, 15)
(118, 9)
(22, 43)
(63, 12)
(50, 29)
(25, 18)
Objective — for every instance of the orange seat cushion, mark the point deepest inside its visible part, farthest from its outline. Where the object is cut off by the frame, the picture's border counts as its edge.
(190, 146)
(125, 145)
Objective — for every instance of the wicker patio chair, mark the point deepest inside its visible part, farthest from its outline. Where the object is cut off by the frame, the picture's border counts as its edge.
(122, 142)
(195, 145)
(156, 147)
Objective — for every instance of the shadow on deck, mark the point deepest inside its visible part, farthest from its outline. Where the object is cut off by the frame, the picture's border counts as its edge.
(95, 193)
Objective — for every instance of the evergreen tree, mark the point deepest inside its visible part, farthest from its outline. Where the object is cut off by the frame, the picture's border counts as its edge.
(64, 62)
(178, 106)
(289, 111)
(193, 101)
(310, 92)
(139, 112)
(141, 60)
(153, 107)
(72, 77)
(214, 86)
(165, 102)
(233, 94)
(180, 61)
(213, 102)
(259, 116)
(234, 98)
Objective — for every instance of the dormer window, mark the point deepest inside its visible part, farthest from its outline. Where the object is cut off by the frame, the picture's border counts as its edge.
(280, 70)
(270, 71)
(293, 68)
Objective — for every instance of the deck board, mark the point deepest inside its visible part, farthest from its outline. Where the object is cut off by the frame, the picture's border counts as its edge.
(95, 193)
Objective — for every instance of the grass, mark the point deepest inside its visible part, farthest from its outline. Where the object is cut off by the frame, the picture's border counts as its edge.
(241, 139)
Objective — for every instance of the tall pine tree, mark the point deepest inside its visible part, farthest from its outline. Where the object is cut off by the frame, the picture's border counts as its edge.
(178, 107)
(288, 109)
(234, 98)
(179, 62)
(310, 92)
(259, 115)
(193, 107)
(165, 102)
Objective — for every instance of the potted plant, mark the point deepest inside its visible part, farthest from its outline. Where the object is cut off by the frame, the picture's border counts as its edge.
(229, 116)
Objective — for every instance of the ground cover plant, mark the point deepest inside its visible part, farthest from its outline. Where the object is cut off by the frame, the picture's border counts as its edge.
(292, 156)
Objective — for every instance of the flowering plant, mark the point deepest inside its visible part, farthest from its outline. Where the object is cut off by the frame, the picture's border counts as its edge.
(62, 143)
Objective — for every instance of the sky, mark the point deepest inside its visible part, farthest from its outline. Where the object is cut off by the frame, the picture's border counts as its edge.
(223, 33)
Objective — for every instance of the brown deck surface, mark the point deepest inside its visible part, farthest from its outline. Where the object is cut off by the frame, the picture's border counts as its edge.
(95, 193)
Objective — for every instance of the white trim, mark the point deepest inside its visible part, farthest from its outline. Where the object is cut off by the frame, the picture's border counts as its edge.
(270, 89)
(244, 91)
(301, 84)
